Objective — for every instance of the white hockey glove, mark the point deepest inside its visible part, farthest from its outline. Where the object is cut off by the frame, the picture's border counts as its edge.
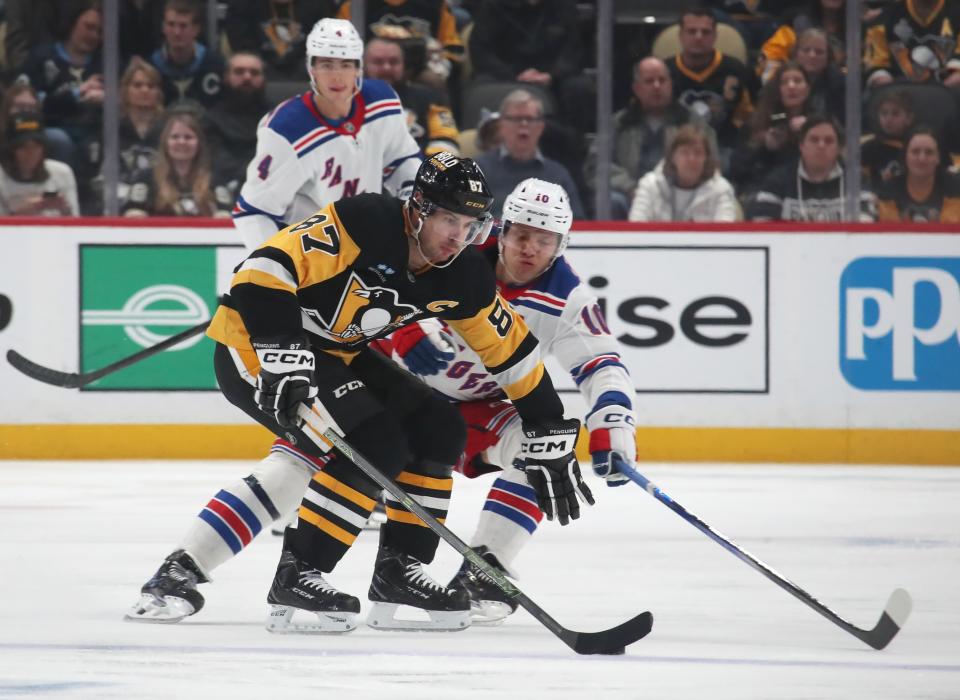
(547, 457)
(285, 381)
(613, 430)
(426, 349)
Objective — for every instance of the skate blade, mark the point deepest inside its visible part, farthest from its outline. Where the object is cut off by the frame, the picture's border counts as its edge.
(281, 621)
(383, 616)
(489, 613)
(165, 610)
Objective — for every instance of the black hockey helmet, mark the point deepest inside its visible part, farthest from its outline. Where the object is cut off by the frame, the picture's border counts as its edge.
(454, 183)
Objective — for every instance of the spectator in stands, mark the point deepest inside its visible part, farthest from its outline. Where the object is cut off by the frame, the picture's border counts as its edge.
(926, 191)
(827, 81)
(141, 121)
(191, 72)
(231, 124)
(881, 154)
(429, 33)
(756, 20)
(770, 138)
(914, 40)
(531, 41)
(429, 118)
(811, 188)
(30, 23)
(687, 185)
(180, 183)
(519, 156)
(21, 97)
(641, 132)
(140, 27)
(276, 30)
(67, 76)
(712, 85)
(488, 131)
(30, 183)
(828, 15)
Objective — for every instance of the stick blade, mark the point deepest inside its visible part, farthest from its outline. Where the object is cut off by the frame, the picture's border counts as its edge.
(611, 641)
(894, 617)
(41, 373)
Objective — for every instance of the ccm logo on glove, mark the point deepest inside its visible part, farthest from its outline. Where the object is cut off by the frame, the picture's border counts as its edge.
(297, 359)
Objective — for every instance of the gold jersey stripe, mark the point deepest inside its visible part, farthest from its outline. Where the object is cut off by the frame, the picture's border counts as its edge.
(427, 482)
(321, 523)
(526, 384)
(344, 491)
(405, 516)
(319, 264)
(262, 279)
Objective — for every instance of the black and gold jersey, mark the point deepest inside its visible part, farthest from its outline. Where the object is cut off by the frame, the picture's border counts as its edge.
(720, 93)
(429, 119)
(341, 279)
(881, 160)
(905, 44)
(941, 206)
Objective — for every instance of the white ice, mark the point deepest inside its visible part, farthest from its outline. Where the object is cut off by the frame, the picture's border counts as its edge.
(77, 540)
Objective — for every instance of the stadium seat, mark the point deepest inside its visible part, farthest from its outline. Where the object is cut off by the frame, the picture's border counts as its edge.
(729, 41)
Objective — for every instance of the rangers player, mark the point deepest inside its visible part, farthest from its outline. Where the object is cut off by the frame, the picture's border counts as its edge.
(566, 318)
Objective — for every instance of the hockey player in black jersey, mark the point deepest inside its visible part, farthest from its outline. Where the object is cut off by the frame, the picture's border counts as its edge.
(303, 309)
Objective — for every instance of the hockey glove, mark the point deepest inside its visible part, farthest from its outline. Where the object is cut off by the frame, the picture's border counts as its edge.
(548, 458)
(612, 431)
(285, 381)
(425, 349)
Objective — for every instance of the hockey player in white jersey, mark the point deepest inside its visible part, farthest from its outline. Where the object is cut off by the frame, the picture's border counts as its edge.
(567, 320)
(344, 137)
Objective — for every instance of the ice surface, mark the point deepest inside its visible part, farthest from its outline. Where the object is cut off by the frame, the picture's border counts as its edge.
(77, 539)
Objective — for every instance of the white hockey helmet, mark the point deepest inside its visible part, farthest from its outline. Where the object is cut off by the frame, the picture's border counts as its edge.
(540, 204)
(335, 38)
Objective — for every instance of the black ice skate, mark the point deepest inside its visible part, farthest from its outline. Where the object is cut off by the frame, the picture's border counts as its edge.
(488, 603)
(297, 586)
(399, 580)
(171, 594)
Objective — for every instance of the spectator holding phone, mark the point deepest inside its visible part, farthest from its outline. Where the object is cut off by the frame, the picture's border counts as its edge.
(770, 138)
(31, 184)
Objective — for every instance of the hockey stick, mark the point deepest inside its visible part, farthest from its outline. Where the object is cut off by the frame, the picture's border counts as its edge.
(73, 380)
(894, 615)
(611, 641)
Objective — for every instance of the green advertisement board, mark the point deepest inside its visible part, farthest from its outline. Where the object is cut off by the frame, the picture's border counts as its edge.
(134, 296)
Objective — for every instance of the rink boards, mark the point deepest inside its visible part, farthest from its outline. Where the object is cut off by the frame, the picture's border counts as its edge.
(798, 344)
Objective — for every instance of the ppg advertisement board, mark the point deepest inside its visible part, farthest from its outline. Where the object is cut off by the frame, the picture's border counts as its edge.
(900, 323)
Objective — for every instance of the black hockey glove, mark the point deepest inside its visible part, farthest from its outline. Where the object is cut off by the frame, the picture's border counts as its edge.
(285, 381)
(552, 469)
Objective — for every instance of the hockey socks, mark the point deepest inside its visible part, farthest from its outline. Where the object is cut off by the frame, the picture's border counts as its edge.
(238, 512)
(509, 517)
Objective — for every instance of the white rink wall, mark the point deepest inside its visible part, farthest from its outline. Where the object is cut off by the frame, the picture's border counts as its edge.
(727, 329)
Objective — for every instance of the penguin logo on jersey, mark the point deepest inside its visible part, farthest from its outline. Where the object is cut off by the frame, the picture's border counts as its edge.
(365, 312)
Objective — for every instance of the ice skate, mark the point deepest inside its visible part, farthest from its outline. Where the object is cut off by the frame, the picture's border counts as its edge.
(298, 587)
(489, 605)
(406, 598)
(171, 594)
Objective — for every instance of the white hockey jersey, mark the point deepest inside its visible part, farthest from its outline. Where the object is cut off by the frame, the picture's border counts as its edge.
(565, 317)
(305, 161)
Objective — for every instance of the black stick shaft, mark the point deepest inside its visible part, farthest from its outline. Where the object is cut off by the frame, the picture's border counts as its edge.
(72, 380)
(893, 618)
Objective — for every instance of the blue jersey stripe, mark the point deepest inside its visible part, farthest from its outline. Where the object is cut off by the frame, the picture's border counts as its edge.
(242, 510)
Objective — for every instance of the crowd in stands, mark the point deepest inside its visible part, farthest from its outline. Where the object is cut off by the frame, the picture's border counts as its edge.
(738, 116)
